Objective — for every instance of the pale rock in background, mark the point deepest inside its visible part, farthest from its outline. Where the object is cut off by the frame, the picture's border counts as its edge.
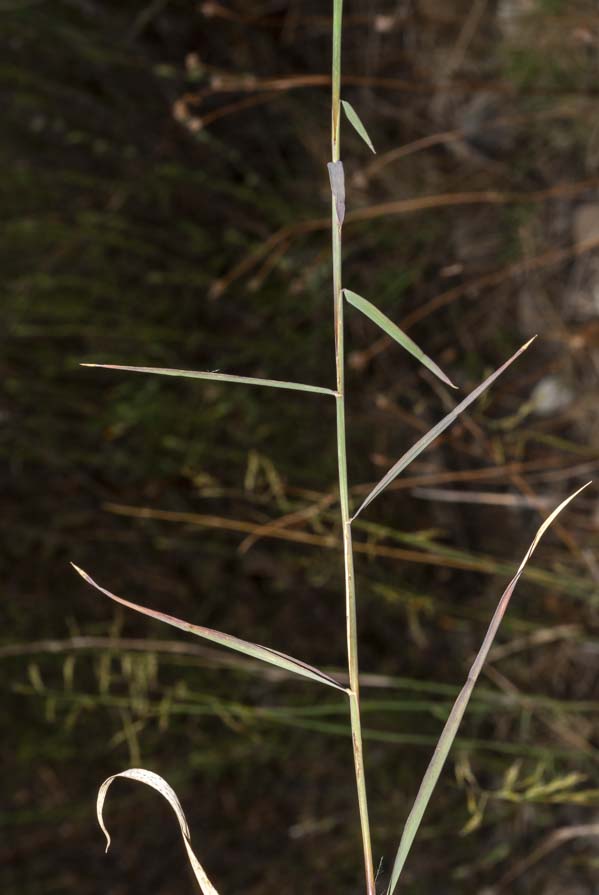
(551, 395)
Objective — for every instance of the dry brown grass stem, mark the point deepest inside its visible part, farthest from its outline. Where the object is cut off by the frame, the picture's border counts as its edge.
(541, 466)
(548, 468)
(211, 9)
(485, 498)
(289, 519)
(486, 281)
(381, 161)
(329, 541)
(225, 82)
(563, 731)
(549, 844)
(424, 203)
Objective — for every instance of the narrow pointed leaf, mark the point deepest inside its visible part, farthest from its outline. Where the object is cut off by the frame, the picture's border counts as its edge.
(160, 785)
(355, 121)
(264, 653)
(434, 433)
(219, 377)
(432, 773)
(387, 325)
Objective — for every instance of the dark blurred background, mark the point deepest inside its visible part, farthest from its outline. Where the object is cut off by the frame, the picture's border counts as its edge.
(163, 191)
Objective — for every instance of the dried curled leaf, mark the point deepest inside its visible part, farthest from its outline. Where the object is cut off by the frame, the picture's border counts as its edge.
(160, 785)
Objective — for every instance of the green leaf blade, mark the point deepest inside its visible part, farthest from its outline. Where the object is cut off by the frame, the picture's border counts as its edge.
(356, 122)
(398, 335)
(434, 433)
(254, 650)
(445, 742)
(218, 377)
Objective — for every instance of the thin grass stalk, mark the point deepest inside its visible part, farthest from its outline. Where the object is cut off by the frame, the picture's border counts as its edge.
(348, 560)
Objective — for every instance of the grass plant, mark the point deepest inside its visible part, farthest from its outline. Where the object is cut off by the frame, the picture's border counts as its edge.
(349, 686)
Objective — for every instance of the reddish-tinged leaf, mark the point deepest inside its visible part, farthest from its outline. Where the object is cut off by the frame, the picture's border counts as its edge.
(281, 660)
(431, 776)
(433, 433)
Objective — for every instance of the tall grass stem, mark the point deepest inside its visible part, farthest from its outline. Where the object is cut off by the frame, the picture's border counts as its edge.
(348, 559)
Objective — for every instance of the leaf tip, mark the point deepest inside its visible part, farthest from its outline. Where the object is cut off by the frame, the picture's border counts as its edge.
(83, 574)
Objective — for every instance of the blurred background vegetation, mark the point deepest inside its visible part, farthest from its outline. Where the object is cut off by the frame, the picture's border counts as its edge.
(165, 196)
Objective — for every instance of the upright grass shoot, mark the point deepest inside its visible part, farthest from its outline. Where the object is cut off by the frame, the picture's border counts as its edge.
(281, 660)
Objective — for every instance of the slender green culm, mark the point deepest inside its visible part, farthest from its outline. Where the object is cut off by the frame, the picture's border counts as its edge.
(337, 211)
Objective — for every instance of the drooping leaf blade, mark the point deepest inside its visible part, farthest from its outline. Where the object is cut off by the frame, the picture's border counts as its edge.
(356, 122)
(433, 771)
(254, 650)
(440, 427)
(373, 313)
(160, 785)
(219, 377)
